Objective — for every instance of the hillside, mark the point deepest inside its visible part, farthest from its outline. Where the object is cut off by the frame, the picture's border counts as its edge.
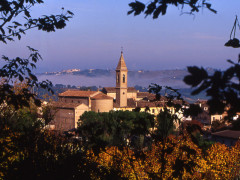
(101, 78)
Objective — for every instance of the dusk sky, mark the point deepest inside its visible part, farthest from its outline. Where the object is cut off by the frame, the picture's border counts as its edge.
(94, 37)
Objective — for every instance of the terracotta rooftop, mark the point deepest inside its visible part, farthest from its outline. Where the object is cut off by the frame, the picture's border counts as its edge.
(78, 93)
(113, 89)
(143, 104)
(146, 95)
(228, 134)
(130, 103)
(121, 63)
(142, 94)
(101, 96)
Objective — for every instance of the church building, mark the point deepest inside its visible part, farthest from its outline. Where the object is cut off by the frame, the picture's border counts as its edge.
(72, 104)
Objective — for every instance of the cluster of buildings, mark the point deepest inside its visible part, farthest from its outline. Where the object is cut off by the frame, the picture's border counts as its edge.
(72, 104)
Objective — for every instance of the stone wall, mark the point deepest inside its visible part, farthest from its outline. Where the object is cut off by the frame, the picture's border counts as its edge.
(102, 105)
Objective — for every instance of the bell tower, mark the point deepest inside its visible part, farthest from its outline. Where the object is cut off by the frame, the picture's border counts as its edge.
(121, 82)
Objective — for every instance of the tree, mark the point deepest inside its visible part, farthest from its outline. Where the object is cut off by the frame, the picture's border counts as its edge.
(23, 119)
(21, 68)
(223, 87)
(157, 7)
(114, 128)
(176, 158)
(174, 110)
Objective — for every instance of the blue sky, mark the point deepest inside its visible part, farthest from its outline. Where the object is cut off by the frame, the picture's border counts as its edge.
(94, 37)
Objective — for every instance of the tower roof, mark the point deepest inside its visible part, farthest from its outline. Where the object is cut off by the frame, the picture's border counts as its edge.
(121, 63)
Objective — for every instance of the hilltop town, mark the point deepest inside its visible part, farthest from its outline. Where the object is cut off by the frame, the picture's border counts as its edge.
(73, 103)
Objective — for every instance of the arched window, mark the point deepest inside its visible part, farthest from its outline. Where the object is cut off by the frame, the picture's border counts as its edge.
(123, 78)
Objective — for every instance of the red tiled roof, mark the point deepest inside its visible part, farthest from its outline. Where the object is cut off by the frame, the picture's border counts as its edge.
(109, 89)
(77, 93)
(147, 95)
(143, 104)
(131, 103)
(142, 94)
(113, 89)
(228, 134)
(101, 96)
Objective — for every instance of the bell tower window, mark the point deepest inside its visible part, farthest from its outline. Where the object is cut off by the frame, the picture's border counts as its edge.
(117, 78)
(123, 78)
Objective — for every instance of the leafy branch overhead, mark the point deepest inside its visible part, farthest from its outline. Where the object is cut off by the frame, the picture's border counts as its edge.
(233, 41)
(223, 88)
(10, 27)
(15, 21)
(156, 7)
(21, 69)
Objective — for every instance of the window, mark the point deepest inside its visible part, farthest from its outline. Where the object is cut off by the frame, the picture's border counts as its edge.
(153, 110)
(123, 78)
(117, 78)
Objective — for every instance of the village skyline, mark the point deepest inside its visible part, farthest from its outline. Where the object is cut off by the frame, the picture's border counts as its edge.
(98, 30)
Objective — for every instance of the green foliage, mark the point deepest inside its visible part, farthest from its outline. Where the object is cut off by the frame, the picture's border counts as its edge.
(113, 128)
(202, 143)
(48, 113)
(165, 124)
(156, 7)
(22, 120)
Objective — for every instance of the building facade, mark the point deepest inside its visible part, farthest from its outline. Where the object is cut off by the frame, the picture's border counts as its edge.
(73, 103)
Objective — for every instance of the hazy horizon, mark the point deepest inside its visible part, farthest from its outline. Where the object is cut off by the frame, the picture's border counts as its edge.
(95, 35)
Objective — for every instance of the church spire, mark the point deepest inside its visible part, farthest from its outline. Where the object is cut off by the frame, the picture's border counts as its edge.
(121, 82)
(121, 63)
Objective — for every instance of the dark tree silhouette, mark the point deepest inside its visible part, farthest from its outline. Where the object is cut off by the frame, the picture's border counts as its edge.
(223, 87)
(156, 7)
(12, 27)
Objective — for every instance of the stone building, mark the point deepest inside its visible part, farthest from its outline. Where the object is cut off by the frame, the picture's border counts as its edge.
(67, 115)
(73, 103)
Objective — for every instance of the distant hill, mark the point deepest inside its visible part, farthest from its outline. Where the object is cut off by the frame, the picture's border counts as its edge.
(101, 77)
(106, 78)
